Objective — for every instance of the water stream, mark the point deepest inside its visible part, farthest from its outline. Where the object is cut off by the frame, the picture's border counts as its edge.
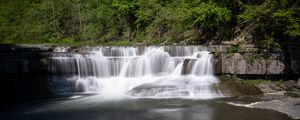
(155, 72)
(135, 83)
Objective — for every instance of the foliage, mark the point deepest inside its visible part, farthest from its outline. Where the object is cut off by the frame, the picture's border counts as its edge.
(117, 43)
(274, 23)
(207, 15)
(234, 48)
(254, 56)
(270, 43)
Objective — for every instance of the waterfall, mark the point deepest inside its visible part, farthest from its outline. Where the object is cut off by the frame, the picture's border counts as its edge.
(143, 72)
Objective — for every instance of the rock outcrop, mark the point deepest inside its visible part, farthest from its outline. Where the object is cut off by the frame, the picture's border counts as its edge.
(234, 87)
(252, 60)
(289, 106)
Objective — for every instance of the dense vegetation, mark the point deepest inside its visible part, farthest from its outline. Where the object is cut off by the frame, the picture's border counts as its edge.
(269, 22)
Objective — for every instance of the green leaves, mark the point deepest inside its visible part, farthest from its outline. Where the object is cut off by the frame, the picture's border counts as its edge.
(270, 43)
(105, 20)
(148, 21)
(208, 15)
(273, 23)
(291, 22)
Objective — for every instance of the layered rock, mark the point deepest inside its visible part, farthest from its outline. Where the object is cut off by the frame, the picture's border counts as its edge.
(252, 60)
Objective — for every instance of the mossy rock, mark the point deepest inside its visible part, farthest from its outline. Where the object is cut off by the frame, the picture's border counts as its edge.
(234, 87)
(295, 94)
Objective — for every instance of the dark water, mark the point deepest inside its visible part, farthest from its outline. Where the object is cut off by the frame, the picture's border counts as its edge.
(97, 107)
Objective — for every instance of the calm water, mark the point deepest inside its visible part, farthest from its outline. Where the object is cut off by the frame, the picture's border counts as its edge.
(97, 107)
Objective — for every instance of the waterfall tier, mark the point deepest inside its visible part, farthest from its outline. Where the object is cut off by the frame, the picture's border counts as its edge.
(151, 72)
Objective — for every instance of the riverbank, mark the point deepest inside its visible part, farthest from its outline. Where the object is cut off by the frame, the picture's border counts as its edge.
(289, 106)
(278, 95)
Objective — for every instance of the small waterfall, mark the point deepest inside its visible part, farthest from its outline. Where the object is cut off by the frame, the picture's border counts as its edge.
(146, 72)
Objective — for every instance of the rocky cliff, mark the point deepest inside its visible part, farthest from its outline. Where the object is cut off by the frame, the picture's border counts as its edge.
(24, 69)
(228, 59)
(253, 61)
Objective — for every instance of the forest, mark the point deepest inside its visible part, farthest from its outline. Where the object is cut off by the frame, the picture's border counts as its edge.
(270, 23)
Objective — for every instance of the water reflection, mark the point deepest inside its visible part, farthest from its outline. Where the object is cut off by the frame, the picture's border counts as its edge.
(97, 107)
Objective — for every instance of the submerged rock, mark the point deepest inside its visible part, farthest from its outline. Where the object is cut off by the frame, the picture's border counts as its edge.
(151, 89)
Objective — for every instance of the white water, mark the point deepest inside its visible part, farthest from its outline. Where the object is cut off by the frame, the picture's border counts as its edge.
(151, 72)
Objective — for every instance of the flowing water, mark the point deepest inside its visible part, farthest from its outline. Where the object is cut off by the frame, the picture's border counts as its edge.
(135, 83)
(144, 72)
(98, 107)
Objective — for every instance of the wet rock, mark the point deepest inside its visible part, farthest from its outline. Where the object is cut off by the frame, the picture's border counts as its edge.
(269, 87)
(293, 93)
(80, 88)
(245, 89)
(151, 89)
(182, 43)
(298, 83)
(138, 44)
(174, 94)
(74, 49)
(234, 87)
(150, 86)
(289, 85)
(289, 106)
(186, 66)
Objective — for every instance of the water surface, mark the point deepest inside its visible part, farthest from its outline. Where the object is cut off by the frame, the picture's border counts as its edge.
(99, 107)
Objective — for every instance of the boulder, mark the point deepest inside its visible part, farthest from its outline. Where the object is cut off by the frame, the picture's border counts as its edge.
(288, 85)
(269, 87)
(298, 84)
(239, 89)
(295, 94)
(151, 89)
(232, 86)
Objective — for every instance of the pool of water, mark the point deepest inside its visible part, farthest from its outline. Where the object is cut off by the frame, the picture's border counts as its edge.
(99, 107)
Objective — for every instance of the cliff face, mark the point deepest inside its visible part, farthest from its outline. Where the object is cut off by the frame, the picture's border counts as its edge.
(250, 60)
(23, 73)
(24, 70)
(228, 59)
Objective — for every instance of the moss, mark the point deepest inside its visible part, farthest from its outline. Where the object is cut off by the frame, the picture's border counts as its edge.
(117, 43)
(254, 56)
(236, 87)
(259, 81)
(234, 48)
(217, 55)
(153, 42)
(239, 88)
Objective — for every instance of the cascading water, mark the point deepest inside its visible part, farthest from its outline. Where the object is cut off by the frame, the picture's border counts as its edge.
(151, 72)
